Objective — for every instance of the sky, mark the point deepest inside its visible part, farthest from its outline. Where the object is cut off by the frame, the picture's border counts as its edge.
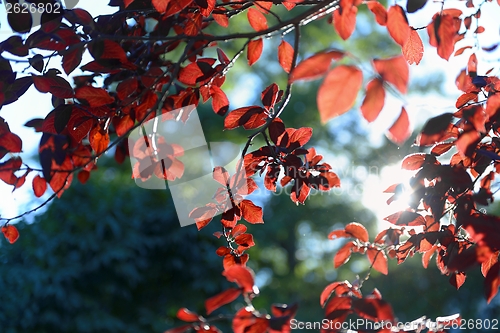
(34, 104)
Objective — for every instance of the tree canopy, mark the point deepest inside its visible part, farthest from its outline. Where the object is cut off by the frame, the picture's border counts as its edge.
(120, 82)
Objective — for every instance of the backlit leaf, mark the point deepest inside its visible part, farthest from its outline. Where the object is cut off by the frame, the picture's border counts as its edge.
(378, 260)
(223, 298)
(254, 50)
(343, 254)
(492, 282)
(10, 232)
(397, 25)
(357, 230)
(374, 100)
(344, 19)
(99, 140)
(395, 71)
(443, 31)
(160, 5)
(256, 19)
(400, 131)
(315, 66)
(242, 276)
(413, 49)
(251, 212)
(187, 316)
(39, 186)
(11, 142)
(338, 91)
(378, 10)
(94, 96)
(285, 55)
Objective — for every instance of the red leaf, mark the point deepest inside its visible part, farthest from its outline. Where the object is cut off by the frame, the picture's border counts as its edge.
(342, 256)
(123, 125)
(378, 260)
(190, 74)
(10, 232)
(127, 88)
(99, 140)
(315, 66)
(242, 276)
(250, 212)
(338, 91)
(223, 298)
(11, 142)
(249, 117)
(338, 234)
(373, 308)
(285, 55)
(72, 59)
(406, 218)
(254, 50)
(344, 19)
(220, 102)
(57, 86)
(374, 100)
(443, 32)
(357, 230)
(187, 316)
(256, 19)
(39, 186)
(221, 176)
(176, 6)
(397, 25)
(467, 142)
(400, 131)
(487, 264)
(415, 161)
(457, 279)
(492, 282)
(395, 71)
(413, 49)
(379, 11)
(160, 5)
(221, 19)
(94, 96)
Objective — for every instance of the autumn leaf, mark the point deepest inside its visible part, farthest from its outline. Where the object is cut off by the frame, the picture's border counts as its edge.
(242, 276)
(344, 19)
(99, 140)
(342, 256)
(160, 5)
(395, 71)
(378, 10)
(397, 25)
(285, 55)
(492, 282)
(39, 186)
(256, 19)
(338, 91)
(250, 212)
(357, 230)
(187, 316)
(443, 31)
(10, 232)
(413, 49)
(374, 100)
(400, 131)
(315, 66)
(254, 50)
(94, 96)
(378, 260)
(223, 298)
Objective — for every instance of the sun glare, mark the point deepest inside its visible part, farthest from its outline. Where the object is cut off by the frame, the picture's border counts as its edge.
(374, 197)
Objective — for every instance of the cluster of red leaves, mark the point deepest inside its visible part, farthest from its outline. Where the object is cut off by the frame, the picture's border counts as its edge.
(229, 201)
(247, 319)
(339, 90)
